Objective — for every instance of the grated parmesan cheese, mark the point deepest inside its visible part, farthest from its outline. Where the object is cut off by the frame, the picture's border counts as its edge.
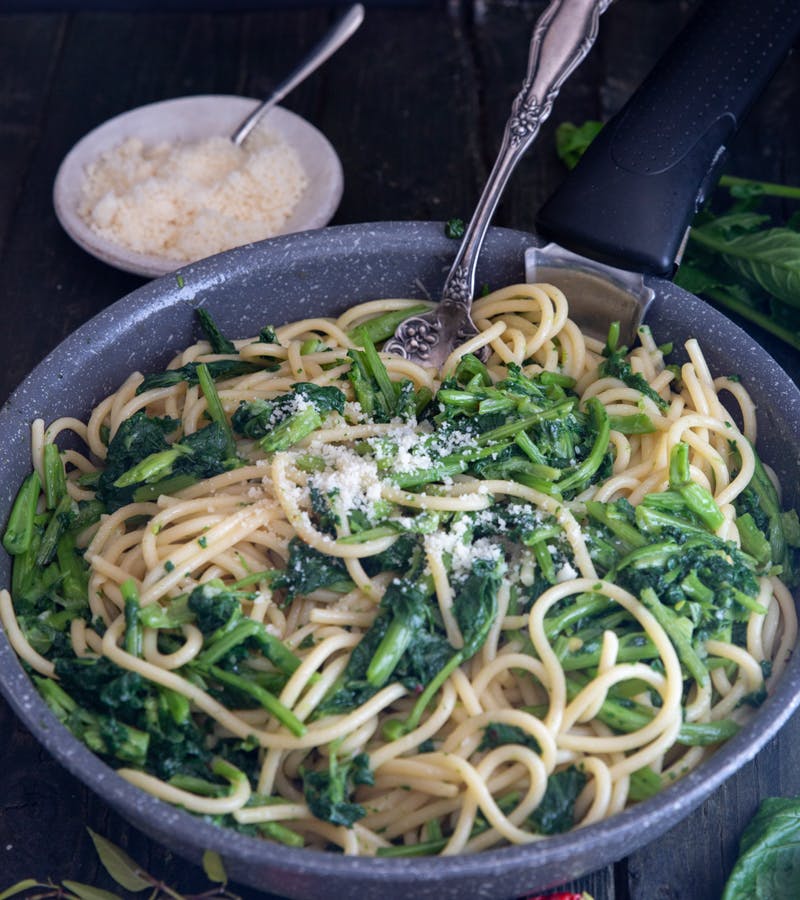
(185, 201)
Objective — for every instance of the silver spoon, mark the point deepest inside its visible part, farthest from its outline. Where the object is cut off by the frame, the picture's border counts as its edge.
(562, 37)
(342, 31)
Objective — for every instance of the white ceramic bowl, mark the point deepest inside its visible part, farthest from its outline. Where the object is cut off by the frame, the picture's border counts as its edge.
(191, 119)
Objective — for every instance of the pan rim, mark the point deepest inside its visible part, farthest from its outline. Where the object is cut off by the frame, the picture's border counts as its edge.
(631, 828)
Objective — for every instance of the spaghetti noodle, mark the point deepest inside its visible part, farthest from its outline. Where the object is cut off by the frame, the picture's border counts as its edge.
(329, 596)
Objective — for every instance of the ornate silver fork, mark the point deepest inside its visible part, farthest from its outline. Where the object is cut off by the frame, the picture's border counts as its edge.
(562, 37)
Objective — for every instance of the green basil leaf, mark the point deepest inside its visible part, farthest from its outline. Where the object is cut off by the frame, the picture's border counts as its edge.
(212, 866)
(768, 867)
(572, 140)
(769, 259)
(87, 892)
(21, 886)
(119, 865)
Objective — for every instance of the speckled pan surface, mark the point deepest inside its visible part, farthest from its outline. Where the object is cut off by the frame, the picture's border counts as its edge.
(327, 270)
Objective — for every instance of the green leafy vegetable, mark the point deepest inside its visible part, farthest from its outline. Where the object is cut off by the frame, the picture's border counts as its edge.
(328, 791)
(556, 813)
(572, 140)
(768, 867)
(454, 228)
(496, 734)
(219, 343)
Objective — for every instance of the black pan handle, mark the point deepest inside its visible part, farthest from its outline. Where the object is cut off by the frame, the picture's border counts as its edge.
(630, 199)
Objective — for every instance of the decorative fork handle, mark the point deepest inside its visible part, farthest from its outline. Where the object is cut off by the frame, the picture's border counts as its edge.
(561, 39)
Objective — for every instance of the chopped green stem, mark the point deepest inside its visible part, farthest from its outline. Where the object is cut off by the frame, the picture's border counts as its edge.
(587, 605)
(679, 473)
(423, 398)
(176, 614)
(377, 369)
(627, 716)
(511, 429)
(471, 370)
(179, 707)
(524, 442)
(19, 531)
(382, 327)
(649, 518)
(171, 485)
(616, 524)
(280, 833)
(694, 588)
(312, 345)
(55, 481)
(369, 534)
(292, 430)
(637, 423)
(228, 771)
(748, 602)
(307, 462)
(644, 783)
(152, 467)
(541, 535)
(133, 627)
(74, 572)
(196, 785)
(430, 691)
(59, 523)
(393, 645)
(668, 620)
(254, 578)
(753, 541)
(632, 648)
(269, 701)
(767, 187)
(214, 404)
(275, 650)
(699, 500)
(651, 555)
(545, 561)
(584, 470)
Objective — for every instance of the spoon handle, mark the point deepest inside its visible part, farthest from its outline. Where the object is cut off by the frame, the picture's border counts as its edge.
(342, 31)
(561, 39)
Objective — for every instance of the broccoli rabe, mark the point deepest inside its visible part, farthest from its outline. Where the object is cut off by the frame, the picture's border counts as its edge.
(141, 463)
(279, 424)
(327, 792)
(556, 812)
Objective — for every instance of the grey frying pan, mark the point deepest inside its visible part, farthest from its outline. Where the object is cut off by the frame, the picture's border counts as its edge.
(324, 272)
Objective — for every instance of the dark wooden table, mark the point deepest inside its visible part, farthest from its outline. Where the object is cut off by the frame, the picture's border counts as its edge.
(414, 105)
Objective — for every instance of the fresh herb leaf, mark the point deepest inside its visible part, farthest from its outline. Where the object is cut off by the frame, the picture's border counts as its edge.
(768, 867)
(556, 813)
(328, 792)
(219, 343)
(572, 140)
(497, 734)
(125, 871)
(454, 229)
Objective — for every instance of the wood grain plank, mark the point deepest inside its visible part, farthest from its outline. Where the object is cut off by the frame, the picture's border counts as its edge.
(27, 44)
(400, 65)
